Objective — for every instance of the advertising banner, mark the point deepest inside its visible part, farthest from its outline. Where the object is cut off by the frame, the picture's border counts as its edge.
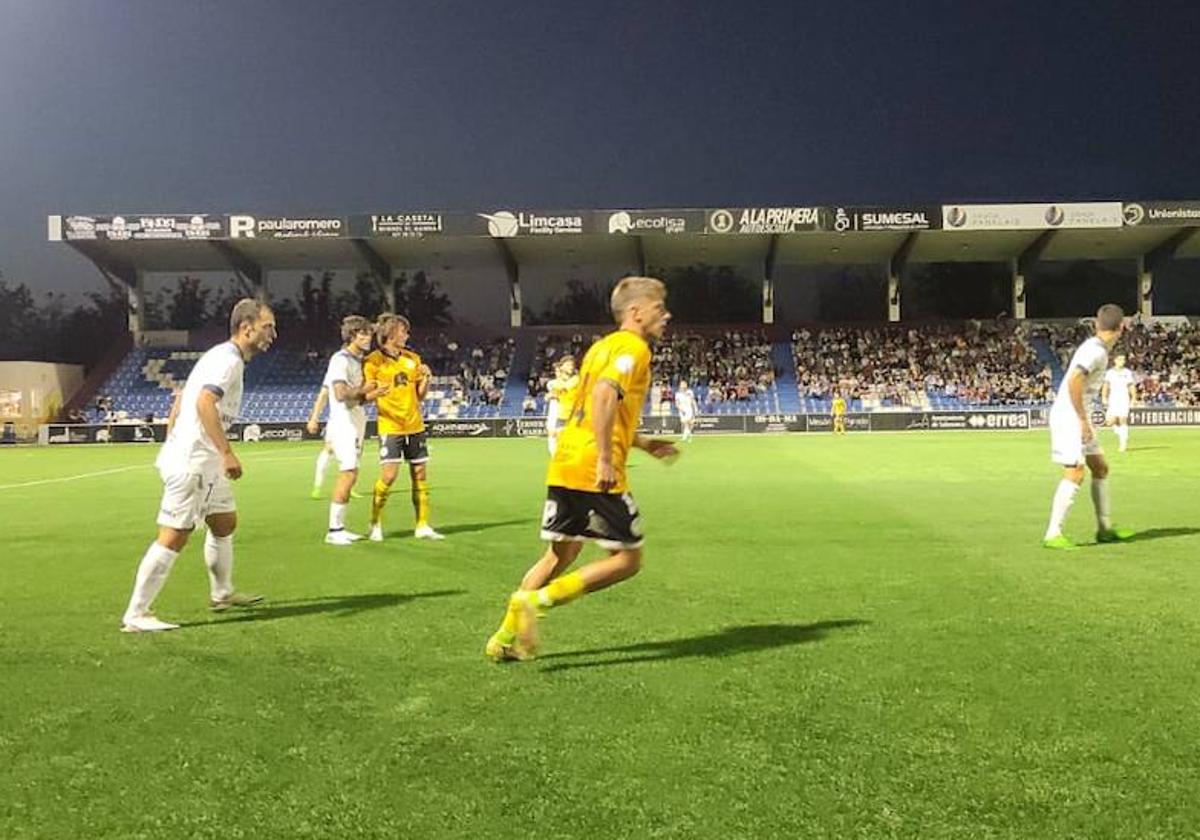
(1161, 212)
(1089, 214)
(1164, 417)
(505, 224)
(842, 219)
(287, 227)
(142, 227)
(655, 221)
(398, 225)
(776, 423)
(745, 220)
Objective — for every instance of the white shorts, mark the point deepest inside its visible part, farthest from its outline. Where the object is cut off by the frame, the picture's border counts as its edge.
(686, 417)
(1117, 412)
(552, 425)
(188, 499)
(346, 445)
(1066, 440)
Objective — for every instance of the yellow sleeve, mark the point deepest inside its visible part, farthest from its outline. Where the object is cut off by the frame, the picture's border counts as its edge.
(371, 369)
(626, 364)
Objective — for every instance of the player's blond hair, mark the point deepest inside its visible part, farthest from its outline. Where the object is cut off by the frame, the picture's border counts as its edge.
(386, 323)
(352, 325)
(630, 290)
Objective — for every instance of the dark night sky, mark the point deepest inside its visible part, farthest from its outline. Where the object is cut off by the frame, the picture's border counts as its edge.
(144, 105)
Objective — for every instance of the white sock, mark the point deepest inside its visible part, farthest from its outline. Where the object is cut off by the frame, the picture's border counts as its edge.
(337, 516)
(151, 575)
(1123, 435)
(1064, 497)
(218, 557)
(1100, 500)
(322, 463)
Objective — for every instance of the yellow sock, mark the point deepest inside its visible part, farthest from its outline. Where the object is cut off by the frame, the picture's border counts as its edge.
(561, 590)
(420, 500)
(508, 627)
(378, 500)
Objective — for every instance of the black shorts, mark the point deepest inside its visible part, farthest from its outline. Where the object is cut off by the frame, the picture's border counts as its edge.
(396, 448)
(610, 519)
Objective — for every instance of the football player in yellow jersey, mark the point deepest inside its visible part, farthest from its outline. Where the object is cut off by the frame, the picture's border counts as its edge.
(560, 392)
(587, 493)
(401, 426)
(839, 414)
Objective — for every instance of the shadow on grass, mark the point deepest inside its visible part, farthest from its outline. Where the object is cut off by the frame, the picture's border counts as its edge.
(1163, 533)
(342, 605)
(465, 528)
(728, 642)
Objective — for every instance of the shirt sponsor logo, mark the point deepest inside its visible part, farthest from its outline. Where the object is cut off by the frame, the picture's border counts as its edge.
(504, 224)
(284, 227)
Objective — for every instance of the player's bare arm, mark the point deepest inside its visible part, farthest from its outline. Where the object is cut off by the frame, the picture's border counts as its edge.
(210, 419)
(1075, 385)
(656, 447)
(173, 415)
(605, 397)
(314, 416)
(423, 375)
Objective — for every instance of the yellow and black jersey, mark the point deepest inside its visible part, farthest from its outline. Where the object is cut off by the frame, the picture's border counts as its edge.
(623, 359)
(400, 408)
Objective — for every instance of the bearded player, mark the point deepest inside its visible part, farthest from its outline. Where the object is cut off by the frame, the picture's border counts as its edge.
(587, 491)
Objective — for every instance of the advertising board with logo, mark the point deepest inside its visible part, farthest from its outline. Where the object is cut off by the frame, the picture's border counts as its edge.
(1164, 417)
(843, 219)
(141, 227)
(745, 220)
(398, 225)
(655, 221)
(1161, 212)
(505, 224)
(1087, 214)
(287, 227)
(855, 422)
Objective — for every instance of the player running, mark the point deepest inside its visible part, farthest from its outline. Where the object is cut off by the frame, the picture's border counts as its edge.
(685, 404)
(1117, 394)
(196, 464)
(401, 426)
(587, 493)
(347, 423)
(839, 414)
(560, 396)
(1072, 438)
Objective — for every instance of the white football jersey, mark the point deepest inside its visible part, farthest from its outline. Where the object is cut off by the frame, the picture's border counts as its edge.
(1118, 381)
(345, 367)
(188, 448)
(1091, 357)
(685, 401)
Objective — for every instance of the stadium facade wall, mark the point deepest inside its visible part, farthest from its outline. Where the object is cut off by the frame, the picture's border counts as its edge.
(511, 427)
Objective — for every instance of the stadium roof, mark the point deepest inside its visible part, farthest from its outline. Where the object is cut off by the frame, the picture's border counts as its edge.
(123, 245)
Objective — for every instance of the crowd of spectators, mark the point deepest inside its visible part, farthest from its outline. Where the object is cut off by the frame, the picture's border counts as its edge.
(732, 366)
(977, 362)
(1164, 357)
(469, 373)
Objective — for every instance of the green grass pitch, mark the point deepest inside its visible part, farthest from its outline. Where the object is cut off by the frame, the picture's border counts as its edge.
(851, 638)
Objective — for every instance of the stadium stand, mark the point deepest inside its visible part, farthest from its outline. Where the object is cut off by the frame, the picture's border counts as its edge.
(732, 371)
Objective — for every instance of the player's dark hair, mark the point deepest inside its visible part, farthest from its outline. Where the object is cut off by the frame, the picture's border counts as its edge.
(1109, 317)
(352, 325)
(245, 311)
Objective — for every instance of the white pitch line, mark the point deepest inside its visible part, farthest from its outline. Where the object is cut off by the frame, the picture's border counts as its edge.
(77, 477)
(98, 473)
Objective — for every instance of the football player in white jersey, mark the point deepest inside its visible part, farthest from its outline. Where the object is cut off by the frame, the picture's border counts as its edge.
(685, 404)
(1118, 394)
(1073, 440)
(196, 464)
(347, 425)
